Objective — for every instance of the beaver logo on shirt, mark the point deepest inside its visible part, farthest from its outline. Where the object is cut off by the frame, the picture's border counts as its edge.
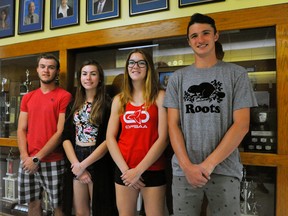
(204, 92)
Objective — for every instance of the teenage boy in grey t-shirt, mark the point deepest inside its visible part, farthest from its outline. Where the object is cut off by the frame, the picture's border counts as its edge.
(208, 116)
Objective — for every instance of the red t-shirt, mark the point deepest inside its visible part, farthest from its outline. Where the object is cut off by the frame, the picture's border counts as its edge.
(139, 132)
(43, 112)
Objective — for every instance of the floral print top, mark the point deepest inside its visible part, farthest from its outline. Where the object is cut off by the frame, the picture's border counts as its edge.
(86, 132)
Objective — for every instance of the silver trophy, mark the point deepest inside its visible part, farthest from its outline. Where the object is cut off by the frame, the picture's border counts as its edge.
(248, 205)
(4, 81)
(7, 104)
(24, 88)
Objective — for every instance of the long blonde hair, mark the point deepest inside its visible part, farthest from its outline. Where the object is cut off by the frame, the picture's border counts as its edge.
(151, 87)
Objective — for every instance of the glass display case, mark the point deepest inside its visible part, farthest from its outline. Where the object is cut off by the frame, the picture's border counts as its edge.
(18, 76)
(258, 191)
(255, 50)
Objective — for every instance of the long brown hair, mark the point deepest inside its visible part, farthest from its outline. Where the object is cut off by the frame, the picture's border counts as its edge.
(99, 101)
(151, 87)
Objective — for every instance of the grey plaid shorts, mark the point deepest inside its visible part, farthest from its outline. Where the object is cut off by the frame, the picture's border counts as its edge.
(49, 177)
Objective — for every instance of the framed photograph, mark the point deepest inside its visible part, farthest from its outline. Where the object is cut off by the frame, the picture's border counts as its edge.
(137, 7)
(164, 77)
(97, 10)
(31, 16)
(7, 18)
(184, 3)
(64, 13)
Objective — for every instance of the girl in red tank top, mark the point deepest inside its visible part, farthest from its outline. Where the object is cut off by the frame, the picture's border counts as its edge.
(137, 113)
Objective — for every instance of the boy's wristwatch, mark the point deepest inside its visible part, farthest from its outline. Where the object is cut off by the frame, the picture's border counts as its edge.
(36, 160)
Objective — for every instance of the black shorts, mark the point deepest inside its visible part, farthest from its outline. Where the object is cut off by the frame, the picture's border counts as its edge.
(82, 153)
(150, 178)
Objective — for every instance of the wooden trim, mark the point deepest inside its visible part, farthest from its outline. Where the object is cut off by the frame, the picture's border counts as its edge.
(282, 191)
(282, 86)
(229, 20)
(7, 142)
(263, 159)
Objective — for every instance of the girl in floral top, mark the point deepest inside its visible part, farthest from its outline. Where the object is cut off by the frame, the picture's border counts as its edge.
(85, 145)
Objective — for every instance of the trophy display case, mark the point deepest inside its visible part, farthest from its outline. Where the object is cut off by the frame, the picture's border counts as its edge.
(18, 76)
(254, 49)
(257, 195)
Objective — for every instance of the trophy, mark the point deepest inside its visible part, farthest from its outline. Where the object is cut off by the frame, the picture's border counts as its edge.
(4, 81)
(4, 108)
(24, 88)
(248, 204)
(7, 104)
(11, 179)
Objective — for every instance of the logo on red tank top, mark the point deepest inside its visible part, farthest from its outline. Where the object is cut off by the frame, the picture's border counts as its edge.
(135, 119)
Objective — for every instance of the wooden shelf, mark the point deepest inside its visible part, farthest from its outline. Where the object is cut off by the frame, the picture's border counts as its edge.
(8, 142)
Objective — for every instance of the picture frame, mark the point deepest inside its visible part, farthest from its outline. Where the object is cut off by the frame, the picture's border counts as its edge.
(62, 18)
(94, 12)
(164, 77)
(137, 7)
(7, 18)
(184, 3)
(28, 23)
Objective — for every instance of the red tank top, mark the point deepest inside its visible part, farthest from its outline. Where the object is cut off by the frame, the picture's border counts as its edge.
(139, 132)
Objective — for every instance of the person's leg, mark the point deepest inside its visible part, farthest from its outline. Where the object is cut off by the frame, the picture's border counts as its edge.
(186, 200)
(34, 208)
(223, 194)
(126, 198)
(90, 189)
(29, 191)
(58, 211)
(154, 192)
(81, 198)
(52, 174)
(154, 200)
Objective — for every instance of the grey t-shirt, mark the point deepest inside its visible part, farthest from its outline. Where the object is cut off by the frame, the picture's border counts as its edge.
(206, 99)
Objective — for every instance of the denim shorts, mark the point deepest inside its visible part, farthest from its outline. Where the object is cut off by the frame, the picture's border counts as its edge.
(83, 152)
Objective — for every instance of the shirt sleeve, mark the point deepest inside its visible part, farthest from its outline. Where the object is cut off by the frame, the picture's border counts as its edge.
(244, 96)
(172, 92)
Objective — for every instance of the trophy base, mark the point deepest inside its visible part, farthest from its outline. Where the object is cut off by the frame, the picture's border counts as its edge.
(9, 201)
(7, 205)
(20, 210)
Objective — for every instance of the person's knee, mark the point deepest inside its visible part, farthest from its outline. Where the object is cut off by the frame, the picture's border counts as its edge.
(34, 207)
(35, 204)
(58, 211)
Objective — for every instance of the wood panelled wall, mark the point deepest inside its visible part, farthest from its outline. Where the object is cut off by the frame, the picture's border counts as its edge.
(275, 15)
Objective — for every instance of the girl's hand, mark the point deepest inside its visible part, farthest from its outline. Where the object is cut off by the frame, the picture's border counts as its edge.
(132, 178)
(85, 178)
(76, 169)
